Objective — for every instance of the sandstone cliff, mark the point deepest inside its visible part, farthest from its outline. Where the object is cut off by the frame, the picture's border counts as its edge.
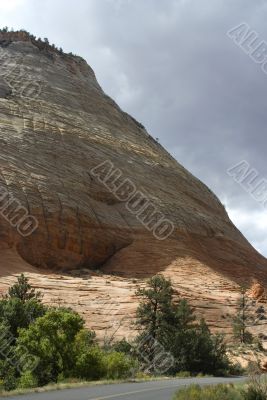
(70, 160)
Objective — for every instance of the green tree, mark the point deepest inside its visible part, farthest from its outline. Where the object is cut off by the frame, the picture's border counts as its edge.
(8, 373)
(51, 339)
(23, 291)
(20, 306)
(18, 309)
(184, 316)
(154, 313)
(17, 314)
(195, 349)
(243, 318)
(154, 318)
(182, 335)
(193, 346)
(172, 328)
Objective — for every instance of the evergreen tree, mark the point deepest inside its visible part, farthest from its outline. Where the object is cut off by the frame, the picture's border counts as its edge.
(172, 328)
(154, 318)
(243, 318)
(155, 310)
(22, 290)
(18, 309)
(20, 306)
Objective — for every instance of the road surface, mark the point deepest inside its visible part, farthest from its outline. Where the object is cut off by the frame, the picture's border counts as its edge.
(152, 390)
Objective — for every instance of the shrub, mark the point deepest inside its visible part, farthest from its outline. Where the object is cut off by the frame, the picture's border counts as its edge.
(183, 374)
(123, 347)
(83, 340)
(51, 339)
(90, 364)
(119, 366)
(236, 369)
(218, 392)
(27, 380)
(142, 375)
(10, 381)
(257, 388)
(201, 375)
(253, 393)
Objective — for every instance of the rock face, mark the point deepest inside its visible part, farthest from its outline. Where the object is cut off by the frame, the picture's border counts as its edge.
(96, 205)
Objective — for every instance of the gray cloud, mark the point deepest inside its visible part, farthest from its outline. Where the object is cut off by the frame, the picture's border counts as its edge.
(171, 65)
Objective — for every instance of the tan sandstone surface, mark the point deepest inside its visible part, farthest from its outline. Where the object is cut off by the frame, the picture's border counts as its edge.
(89, 251)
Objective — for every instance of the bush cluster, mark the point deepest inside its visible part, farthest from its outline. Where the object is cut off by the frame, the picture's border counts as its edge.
(41, 345)
(256, 389)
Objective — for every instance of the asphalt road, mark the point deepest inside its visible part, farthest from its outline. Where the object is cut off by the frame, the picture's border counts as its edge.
(154, 390)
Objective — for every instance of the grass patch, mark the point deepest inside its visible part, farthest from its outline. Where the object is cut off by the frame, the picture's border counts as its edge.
(218, 392)
(187, 374)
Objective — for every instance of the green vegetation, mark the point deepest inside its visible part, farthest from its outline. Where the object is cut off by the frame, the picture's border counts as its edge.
(174, 326)
(43, 345)
(51, 339)
(42, 44)
(243, 319)
(222, 392)
(20, 307)
(219, 392)
(255, 389)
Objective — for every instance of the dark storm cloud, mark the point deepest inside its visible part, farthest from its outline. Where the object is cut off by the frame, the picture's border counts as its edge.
(172, 66)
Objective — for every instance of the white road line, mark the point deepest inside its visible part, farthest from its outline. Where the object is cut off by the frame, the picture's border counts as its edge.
(112, 396)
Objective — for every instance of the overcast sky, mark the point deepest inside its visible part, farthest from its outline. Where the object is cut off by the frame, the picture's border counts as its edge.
(172, 66)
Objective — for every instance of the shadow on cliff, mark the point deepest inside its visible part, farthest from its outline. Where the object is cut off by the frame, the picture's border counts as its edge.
(148, 256)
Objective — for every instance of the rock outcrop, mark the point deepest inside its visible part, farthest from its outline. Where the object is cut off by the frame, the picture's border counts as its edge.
(96, 205)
